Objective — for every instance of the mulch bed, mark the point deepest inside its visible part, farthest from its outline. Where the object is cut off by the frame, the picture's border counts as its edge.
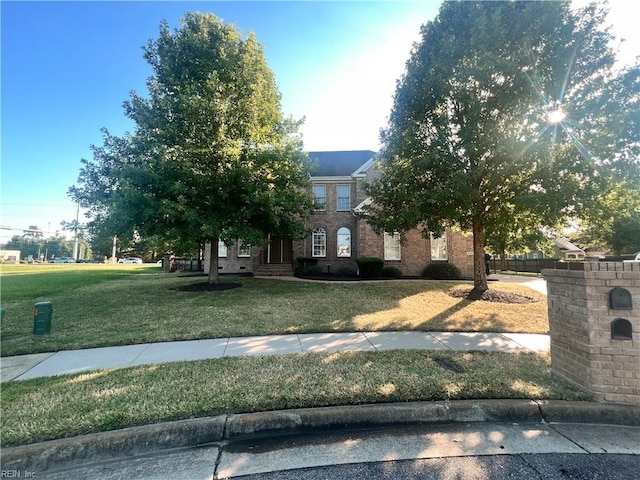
(338, 278)
(208, 287)
(327, 277)
(490, 296)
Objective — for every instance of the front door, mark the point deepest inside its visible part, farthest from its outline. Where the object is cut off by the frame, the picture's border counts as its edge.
(280, 250)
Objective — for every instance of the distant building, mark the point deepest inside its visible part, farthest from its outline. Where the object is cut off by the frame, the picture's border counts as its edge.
(9, 256)
(568, 250)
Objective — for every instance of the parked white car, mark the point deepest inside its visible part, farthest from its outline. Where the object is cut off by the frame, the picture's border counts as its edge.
(130, 260)
(636, 259)
(62, 260)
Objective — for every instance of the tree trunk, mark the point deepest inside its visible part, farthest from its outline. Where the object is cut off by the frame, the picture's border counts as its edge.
(214, 274)
(479, 272)
(503, 258)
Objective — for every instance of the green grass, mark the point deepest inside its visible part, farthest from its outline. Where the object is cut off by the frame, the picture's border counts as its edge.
(49, 408)
(97, 306)
(23, 281)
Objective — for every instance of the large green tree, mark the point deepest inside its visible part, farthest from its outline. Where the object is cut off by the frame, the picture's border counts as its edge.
(511, 233)
(212, 157)
(612, 222)
(504, 107)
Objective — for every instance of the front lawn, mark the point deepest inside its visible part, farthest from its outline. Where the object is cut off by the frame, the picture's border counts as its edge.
(99, 306)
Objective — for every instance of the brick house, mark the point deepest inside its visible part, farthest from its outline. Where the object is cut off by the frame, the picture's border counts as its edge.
(338, 237)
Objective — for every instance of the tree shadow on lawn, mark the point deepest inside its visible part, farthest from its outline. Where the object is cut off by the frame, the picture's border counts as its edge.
(415, 313)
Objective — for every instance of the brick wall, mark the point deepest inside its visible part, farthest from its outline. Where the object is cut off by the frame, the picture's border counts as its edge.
(583, 349)
(232, 263)
(460, 251)
(331, 220)
(416, 252)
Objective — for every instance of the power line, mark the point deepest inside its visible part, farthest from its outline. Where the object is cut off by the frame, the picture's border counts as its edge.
(38, 204)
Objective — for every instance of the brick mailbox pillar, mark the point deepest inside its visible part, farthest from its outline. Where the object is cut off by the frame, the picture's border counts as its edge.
(594, 326)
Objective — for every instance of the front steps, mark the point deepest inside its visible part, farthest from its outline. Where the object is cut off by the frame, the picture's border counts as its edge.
(275, 270)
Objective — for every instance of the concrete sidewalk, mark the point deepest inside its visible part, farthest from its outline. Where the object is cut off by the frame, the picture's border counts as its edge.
(23, 367)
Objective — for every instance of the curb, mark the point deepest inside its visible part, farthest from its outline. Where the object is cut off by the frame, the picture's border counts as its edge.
(590, 412)
(224, 428)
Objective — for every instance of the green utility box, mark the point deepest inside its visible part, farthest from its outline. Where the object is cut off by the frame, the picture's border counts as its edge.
(42, 318)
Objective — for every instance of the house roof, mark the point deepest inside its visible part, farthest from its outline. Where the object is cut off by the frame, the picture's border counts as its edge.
(565, 244)
(339, 164)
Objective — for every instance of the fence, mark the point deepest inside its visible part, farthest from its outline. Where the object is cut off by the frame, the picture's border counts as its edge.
(516, 265)
(536, 265)
(189, 264)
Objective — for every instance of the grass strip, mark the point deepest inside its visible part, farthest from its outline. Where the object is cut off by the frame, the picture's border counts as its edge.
(23, 282)
(98, 308)
(50, 408)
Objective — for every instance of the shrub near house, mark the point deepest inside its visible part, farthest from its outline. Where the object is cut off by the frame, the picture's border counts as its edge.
(370, 267)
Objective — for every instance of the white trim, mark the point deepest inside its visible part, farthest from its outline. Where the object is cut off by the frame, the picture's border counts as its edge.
(365, 203)
(362, 171)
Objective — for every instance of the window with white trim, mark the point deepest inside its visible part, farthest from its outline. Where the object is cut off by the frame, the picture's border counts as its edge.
(222, 249)
(344, 242)
(392, 250)
(244, 249)
(438, 247)
(319, 242)
(320, 197)
(344, 197)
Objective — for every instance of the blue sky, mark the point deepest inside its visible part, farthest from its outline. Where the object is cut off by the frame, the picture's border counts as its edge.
(67, 67)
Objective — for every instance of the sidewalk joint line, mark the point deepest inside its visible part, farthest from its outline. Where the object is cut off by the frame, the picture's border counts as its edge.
(226, 345)
(370, 343)
(567, 438)
(147, 346)
(431, 334)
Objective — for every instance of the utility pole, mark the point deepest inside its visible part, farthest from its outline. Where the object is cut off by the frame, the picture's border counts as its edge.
(113, 251)
(75, 245)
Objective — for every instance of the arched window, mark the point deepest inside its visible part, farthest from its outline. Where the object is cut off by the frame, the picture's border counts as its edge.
(319, 242)
(344, 242)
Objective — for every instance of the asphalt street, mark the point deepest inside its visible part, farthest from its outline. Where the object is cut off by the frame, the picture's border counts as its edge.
(494, 467)
(477, 450)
